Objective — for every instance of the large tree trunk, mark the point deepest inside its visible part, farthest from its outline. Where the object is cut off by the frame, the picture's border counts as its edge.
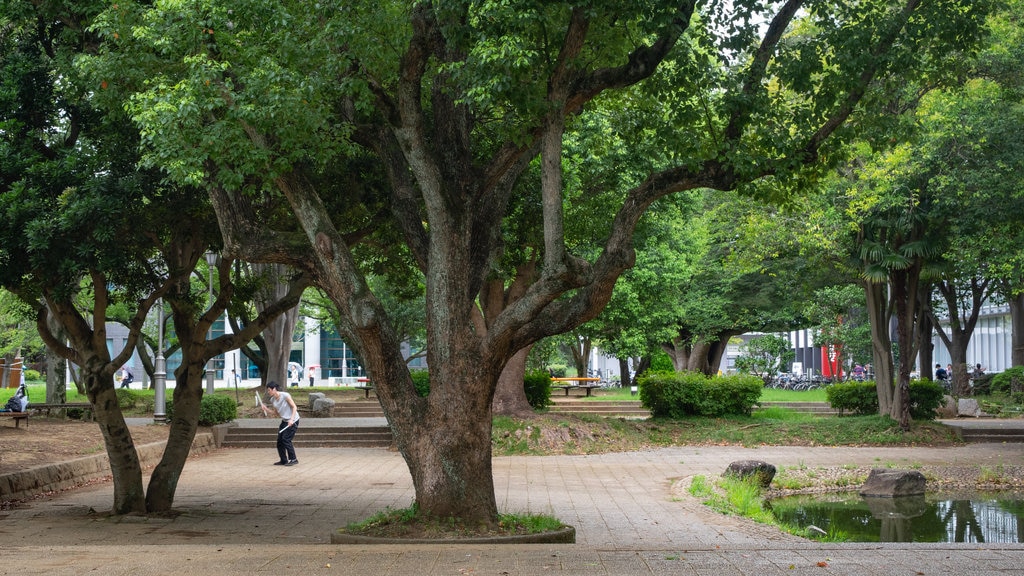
(279, 334)
(1016, 304)
(904, 284)
(56, 367)
(881, 344)
(510, 395)
(129, 494)
(188, 393)
(717, 352)
(962, 323)
(678, 352)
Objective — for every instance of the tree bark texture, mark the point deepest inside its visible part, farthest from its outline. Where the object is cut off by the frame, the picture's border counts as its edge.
(881, 344)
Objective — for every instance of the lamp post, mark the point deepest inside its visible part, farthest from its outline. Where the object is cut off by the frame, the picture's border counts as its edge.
(211, 261)
(160, 373)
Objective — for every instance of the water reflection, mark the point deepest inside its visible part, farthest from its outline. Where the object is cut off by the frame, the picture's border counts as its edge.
(976, 517)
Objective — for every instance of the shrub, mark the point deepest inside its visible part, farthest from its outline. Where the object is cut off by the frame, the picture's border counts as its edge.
(213, 409)
(862, 398)
(421, 379)
(216, 408)
(676, 395)
(1009, 381)
(127, 398)
(925, 399)
(537, 385)
(983, 385)
(558, 370)
(853, 397)
(32, 375)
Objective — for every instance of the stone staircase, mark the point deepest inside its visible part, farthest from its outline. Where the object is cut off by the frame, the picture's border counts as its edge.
(817, 408)
(310, 437)
(625, 409)
(370, 409)
(988, 430)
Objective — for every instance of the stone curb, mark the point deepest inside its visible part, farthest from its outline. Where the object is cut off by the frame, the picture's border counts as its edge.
(63, 475)
(566, 535)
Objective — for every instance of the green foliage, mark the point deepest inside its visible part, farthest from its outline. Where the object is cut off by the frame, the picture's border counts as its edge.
(862, 398)
(983, 385)
(925, 399)
(216, 409)
(32, 375)
(765, 356)
(421, 379)
(127, 399)
(1010, 380)
(677, 395)
(853, 397)
(213, 409)
(661, 362)
(537, 385)
(557, 370)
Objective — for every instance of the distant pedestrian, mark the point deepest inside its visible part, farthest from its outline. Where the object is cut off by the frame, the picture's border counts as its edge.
(289, 413)
(126, 377)
(978, 371)
(858, 373)
(312, 375)
(940, 373)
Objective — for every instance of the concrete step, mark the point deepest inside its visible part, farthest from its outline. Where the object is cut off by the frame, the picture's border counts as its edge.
(820, 408)
(982, 434)
(358, 410)
(311, 437)
(611, 409)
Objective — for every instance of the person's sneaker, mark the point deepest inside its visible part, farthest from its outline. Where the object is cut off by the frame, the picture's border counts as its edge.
(292, 463)
(280, 463)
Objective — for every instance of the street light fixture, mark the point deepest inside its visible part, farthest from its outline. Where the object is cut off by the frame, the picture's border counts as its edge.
(211, 261)
(160, 371)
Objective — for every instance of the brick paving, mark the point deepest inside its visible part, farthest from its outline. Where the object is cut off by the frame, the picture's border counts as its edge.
(238, 514)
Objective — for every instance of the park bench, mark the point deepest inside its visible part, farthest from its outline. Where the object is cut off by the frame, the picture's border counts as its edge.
(17, 416)
(580, 383)
(46, 408)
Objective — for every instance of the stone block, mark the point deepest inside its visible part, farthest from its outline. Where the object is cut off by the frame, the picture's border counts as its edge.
(883, 483)
(762, 472)
(968, 407)
(323, 408)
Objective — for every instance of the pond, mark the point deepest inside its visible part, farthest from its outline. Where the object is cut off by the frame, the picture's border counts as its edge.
(993, 517)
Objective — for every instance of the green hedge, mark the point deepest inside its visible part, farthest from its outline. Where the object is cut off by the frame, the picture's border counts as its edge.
(421, 379)
(213, 409)
(853, 397)
(537, 385)
(677, 395)
(862, 398)
(1007, 381)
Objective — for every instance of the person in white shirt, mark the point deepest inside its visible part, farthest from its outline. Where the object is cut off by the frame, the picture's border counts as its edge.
(286, 409)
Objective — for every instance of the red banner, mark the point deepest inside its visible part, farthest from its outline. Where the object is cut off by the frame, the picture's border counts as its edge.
(831, 361)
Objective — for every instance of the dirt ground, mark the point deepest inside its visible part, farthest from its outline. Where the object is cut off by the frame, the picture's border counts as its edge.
(49, 440)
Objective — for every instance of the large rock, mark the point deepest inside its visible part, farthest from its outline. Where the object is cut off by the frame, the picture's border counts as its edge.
(320, 406)
(762, 472)
(883, 483)
(948, 409)
(968, 407)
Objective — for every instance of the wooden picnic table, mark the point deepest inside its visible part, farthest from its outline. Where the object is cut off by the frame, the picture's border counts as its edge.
(580, 382)
(366, 387)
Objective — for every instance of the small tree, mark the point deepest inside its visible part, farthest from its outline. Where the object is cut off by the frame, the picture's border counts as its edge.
(765, 356)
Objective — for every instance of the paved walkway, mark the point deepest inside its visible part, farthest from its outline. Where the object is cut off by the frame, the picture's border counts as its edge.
(238, 514)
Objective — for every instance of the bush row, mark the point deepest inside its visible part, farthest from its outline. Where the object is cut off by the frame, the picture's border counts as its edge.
(862, 398)
(680, 394)
(213, 409)
(537, 385)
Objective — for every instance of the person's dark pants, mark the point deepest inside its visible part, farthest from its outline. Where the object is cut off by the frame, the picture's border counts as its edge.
(126, 382)
(284, 441)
